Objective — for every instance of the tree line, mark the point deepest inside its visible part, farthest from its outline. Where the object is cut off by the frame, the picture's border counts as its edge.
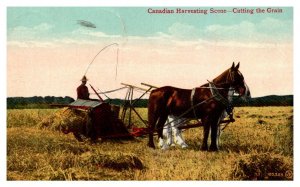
(36, 101)
(46, 102)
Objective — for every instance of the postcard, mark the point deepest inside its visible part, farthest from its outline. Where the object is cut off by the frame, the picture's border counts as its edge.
(150, 93)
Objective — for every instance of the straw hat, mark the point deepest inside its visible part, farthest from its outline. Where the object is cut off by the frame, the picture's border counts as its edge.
(84, 78)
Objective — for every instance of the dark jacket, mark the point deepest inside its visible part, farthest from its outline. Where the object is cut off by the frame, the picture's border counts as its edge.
(83, 92)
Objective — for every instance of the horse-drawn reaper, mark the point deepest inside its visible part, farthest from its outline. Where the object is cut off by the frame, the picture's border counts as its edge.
(207, 102)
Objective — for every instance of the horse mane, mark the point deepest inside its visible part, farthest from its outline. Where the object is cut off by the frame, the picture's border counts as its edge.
(218, 79)
(221, 77)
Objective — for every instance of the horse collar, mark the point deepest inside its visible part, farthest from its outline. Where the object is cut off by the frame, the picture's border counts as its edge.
(192, 95)
(192, 101)
(216, 94)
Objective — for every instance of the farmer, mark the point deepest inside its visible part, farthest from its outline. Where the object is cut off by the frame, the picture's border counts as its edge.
(82, 90)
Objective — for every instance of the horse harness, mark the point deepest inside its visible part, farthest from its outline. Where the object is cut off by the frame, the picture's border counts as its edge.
(218, 97)
(215, 95)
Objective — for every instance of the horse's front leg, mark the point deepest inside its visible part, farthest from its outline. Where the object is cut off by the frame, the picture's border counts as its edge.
(214, 136)
(214, 132)
(206, 128)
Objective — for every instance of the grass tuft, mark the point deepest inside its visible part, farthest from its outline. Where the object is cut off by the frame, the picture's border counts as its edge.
(263, 166)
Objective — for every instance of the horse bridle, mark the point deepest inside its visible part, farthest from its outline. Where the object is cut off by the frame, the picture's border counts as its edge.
(231, 81)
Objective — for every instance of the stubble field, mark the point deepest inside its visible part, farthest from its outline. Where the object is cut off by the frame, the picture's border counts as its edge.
(258, 146)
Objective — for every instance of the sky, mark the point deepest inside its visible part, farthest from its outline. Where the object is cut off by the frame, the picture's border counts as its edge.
(48, 50)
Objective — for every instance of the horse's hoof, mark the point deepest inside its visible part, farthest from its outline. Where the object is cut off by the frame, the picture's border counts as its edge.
(165, 147)
(172, 145)
(151, 145)
(160, 143)
(184, 146)
(213, 148)
(204, 148)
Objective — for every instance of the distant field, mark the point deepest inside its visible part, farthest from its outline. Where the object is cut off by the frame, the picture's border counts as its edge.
(258, 146)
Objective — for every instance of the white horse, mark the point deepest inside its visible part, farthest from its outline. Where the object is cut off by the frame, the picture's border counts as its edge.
(172, 134)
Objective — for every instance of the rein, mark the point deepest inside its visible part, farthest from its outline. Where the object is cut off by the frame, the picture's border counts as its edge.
(217, 95)
(187, 111)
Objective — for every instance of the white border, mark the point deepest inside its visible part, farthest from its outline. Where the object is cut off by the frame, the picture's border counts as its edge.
(144, 3)
(3, 94)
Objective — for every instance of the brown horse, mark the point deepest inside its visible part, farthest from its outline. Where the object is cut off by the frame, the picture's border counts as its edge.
(199, 103)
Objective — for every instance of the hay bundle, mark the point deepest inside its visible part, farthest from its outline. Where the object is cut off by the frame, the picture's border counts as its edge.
(263, 166)
(99, 122)
(113, 160)
(66, 120)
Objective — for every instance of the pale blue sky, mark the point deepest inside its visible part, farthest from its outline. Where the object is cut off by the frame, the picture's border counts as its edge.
(56, 23)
